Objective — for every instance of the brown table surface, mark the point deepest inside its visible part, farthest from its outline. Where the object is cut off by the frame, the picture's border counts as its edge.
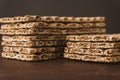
(58, 70)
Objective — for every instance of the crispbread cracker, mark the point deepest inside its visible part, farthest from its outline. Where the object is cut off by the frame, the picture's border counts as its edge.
(101, 52)
(32, 57)
(33, 43)
(34, 38)
(33, 18)
(98, 37)
(92, 58)
(94, 44)
(44, 25)
(35, 31)
(37, 50)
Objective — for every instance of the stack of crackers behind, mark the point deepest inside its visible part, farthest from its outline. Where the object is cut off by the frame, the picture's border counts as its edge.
(96, 48)
(33, 38)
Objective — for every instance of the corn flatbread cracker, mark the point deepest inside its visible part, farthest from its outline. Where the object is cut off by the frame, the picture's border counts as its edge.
(34, 43)
(92, 58)
(33, 38)
(33, 18)
(94, 44)
(32, 57)
(101, 52)
(35, 31)
(44, 25)
(98, 37)
(37, 50)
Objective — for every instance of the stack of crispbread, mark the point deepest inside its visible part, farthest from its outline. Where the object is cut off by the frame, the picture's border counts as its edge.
(96, 48)
(33, 38)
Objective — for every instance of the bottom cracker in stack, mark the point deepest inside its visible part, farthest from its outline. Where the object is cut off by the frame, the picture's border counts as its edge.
(30, 57)
(96, 48)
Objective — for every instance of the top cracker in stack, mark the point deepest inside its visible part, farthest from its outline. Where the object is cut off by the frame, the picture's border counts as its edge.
(36, 18)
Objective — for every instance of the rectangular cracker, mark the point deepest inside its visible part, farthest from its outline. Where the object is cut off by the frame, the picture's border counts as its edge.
(32, 50)
(94, 44)
(33, 18)
(92, 58)
(31, 31)
(106, 52)
(33, 43)
(35, 31)
(33, 38)
(98, 37)
(44, 25)
(32, 57)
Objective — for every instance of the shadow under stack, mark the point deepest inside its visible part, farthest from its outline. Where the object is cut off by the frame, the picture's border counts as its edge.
(33, 38)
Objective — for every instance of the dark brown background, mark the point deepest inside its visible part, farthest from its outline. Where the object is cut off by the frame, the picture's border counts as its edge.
(61, 69)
